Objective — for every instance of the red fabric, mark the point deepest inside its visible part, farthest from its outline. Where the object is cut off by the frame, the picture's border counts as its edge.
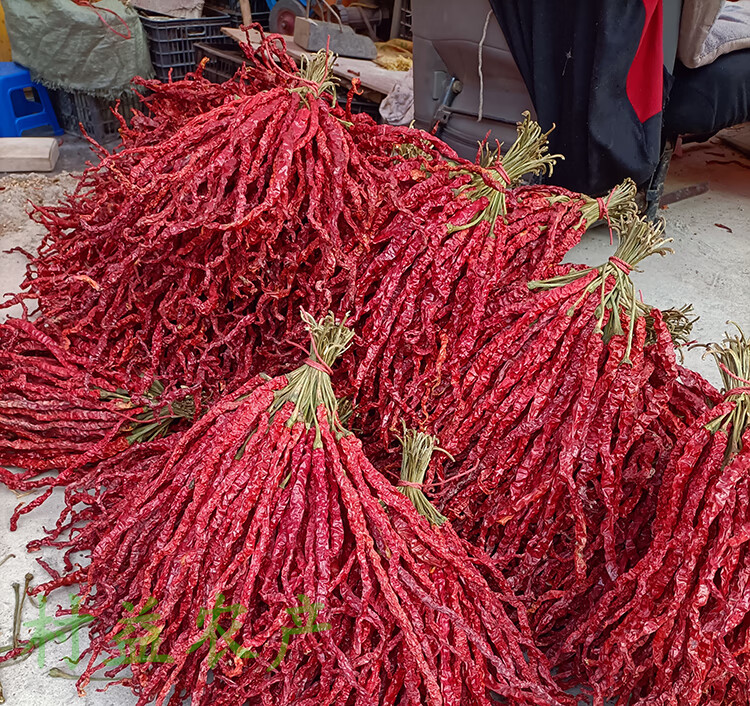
(645, 78)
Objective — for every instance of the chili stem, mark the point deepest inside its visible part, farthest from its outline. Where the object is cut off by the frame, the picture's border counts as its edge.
(309, 386)
(732, 356)
(678, 323)
(418, 448)
(57, 673)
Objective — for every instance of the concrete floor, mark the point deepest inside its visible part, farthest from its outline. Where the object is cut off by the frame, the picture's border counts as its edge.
(710, 269)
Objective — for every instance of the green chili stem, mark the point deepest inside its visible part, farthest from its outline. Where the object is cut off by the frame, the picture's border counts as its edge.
(307, 386)
(678, 323)
(155, 421)
(56, 673)
(317, 70)
(732, 356)
(529, 154)
(18, 608)
(418, 448)
(344, 409)
(43, 639)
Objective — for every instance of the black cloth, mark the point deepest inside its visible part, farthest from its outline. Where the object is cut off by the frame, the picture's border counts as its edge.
(709, 98)
(594, 69)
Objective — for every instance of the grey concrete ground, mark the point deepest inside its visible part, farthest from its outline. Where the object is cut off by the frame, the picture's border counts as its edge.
(710, 269)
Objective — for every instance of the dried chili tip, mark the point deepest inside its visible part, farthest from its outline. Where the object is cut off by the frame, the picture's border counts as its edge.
(417, 450)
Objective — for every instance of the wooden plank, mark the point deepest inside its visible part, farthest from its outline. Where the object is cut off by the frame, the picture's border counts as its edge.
(368, 72)
(28, 154)
(247, 15)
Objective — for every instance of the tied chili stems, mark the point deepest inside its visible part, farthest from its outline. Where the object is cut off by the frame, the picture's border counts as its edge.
(678, 321)
(529, 154)
(417, 450)
(317, 73)
(153, 423)
(732, 357)
(638, 240)
(618, 205)
(309, 386)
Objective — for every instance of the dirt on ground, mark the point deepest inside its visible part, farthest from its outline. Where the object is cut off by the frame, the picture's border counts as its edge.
(17, 229)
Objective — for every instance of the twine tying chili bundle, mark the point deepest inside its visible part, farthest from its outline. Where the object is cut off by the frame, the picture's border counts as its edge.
(621, 264)
(314, 362)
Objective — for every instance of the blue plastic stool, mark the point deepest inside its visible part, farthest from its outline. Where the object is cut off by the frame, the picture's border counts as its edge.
(17, 112)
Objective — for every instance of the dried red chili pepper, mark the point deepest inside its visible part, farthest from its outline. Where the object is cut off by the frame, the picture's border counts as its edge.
(674, 627)
(544, 417)
(57, 415)
(267, 499)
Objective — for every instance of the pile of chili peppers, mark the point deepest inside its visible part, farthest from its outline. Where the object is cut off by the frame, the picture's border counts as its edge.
(582, 522)
(310, 517)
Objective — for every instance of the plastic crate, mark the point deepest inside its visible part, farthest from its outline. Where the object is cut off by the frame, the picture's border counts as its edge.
(74, 108)
(172, 41)
(361, 105)
(259, 9)
(223, 60)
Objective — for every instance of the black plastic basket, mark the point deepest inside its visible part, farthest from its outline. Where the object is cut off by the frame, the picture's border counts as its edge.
(172, 41)
(259, 9)
(74, 108)
(223, 60)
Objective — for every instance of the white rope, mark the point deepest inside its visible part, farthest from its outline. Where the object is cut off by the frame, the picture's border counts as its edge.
(481, 75)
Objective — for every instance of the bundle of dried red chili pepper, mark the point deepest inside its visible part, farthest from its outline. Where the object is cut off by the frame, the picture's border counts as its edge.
(267, 501)
(674, 629)
(435, 270)
(57, 415)
(183, 260)
(543, 416)
(50, 415)
(169, 105)
(640, 479)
